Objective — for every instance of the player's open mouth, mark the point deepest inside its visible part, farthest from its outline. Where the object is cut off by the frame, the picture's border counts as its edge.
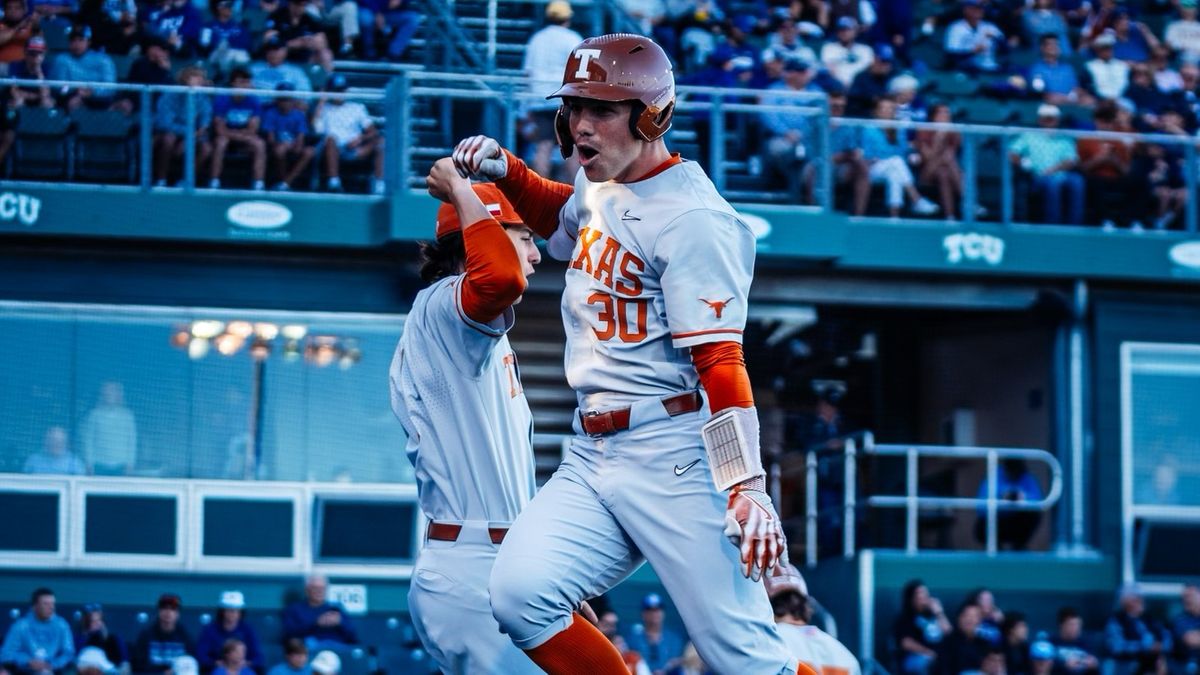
(586, 153)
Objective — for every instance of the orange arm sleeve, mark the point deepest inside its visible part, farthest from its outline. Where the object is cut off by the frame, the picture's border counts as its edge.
(722, 369)
(538, 200)
(493, 279)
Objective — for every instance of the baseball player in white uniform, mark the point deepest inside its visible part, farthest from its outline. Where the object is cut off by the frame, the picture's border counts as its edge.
(793, 610)
(659, 270)
(457, 391)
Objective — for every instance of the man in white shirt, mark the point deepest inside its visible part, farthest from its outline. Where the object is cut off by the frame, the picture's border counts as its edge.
(545, 53)
(349, 133)
(971, 42)
(793, 610)
(1109, 75)
(1183, 34)
(844, 58)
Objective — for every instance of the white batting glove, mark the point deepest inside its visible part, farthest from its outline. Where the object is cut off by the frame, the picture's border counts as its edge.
(753, 526)
(480, 157)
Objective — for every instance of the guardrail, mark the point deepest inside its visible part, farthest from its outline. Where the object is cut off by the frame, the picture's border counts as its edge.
(420, 110)
(850, 448)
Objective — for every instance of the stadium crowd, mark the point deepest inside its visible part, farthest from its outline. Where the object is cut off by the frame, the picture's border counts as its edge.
(978, 637)
(1107, 65)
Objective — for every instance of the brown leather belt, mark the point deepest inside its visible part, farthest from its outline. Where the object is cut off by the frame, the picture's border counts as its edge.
(596, 423)
(450, 532)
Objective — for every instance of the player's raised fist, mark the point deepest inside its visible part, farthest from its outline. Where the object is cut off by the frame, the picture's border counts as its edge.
(444, 178)
(480, 156)
(753, 526)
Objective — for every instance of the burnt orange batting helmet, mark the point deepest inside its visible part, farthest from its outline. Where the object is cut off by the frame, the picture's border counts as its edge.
(619, 67)
(493, 200)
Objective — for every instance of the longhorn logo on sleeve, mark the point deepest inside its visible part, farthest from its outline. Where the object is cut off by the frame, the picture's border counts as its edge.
(717, 307)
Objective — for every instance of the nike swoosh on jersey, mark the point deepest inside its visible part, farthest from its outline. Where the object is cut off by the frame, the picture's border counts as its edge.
(626, 216)
(680, 470)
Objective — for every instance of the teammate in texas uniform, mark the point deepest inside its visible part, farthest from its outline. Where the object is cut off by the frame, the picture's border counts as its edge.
(457, 392)
(655, 302)
(793, 610)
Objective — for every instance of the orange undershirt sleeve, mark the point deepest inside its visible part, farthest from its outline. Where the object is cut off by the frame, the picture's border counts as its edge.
(722, 369)
(538, 200)
(493, 279)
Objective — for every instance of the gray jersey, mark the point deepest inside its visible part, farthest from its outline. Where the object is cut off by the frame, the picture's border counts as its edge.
(457, 390)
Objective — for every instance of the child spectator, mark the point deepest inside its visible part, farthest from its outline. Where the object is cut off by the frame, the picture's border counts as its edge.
(295, 659)
(170, 125)
(93, 632)
(229, 626)
(236, 120)
(233, 659)
(286, 127)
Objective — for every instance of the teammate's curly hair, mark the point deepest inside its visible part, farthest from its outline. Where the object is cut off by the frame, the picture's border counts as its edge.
(791, 603)
(442, 258)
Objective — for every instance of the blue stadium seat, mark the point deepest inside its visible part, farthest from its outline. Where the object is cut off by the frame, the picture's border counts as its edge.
(104, 150)
(42, 148)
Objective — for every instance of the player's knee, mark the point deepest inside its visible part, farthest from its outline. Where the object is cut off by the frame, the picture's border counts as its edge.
(522, 600)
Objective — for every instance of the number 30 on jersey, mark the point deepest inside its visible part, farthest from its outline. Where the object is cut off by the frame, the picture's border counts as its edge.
(617, 315)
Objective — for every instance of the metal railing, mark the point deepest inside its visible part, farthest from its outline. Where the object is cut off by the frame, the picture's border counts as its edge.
(421, 108)
(853, 447)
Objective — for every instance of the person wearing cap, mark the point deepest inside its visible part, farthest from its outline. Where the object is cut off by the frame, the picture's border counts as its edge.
(83, 64)
(301, 32)
(31, 67)
(326, 663)
(785, 42)
(545, 53)
(660, 646)
(1109, 76)
(903, 89)
(16, 29)
(286, 127)
(785, 148)
(1043, 656)
(348, 133)
(871, 84)
(845, 57)
(793, 612)
(1074, 653)
(163, 641)
(972, 43)
(396, 20)
(225, 40)
(456, 389)
(1135, 642)
(93, 661)
(275, 69)
(229, 623)
(236, 120)
(93, 632)
(40, 641)
(1183, 34)
(171, 123)
(1051, 160)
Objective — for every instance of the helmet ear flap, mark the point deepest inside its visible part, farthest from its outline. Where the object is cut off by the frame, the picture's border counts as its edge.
(562, 132)
(647, 126)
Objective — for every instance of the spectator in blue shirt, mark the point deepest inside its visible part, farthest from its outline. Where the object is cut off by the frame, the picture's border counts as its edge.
(1135, 40)
(1185, 631)
(228, 625)
(785, 151)
(320, 623)
(1056, 82)
(82, 64)
(236, 120)
(225, 40)
(39, 642)
(1045, 19)
(1074, 655)
(1053, 162)
(886, 153)
(175, 21)
(170, 125)
(56, 456)
(396, 19)
(660, 646)
(275, 69)
(1134, 641)
(845, 149)
(295, 659)
(286, 127)
(972, 43)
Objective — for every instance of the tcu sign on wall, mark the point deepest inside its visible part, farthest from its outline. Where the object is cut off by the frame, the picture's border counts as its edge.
(972, 246)
(21, 207)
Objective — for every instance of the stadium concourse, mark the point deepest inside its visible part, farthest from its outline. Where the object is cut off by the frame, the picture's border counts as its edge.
(971, 332)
